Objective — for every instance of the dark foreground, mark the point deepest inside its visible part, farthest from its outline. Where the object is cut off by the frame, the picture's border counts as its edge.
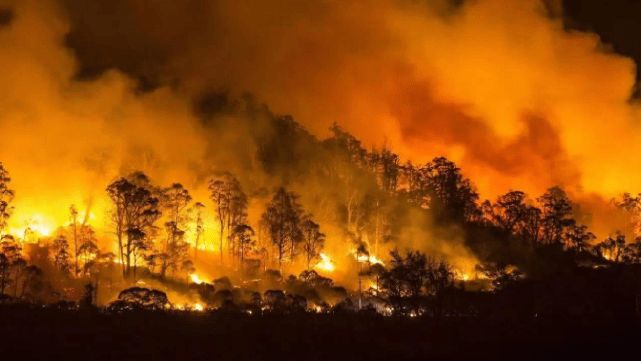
(28, 334)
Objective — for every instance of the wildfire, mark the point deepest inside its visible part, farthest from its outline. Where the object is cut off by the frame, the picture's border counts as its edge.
(374, 260)
(463, 276)
(374, 286)
(34, 225)
(365, 258)
(195, 279)
(198, 307)
(325, 263)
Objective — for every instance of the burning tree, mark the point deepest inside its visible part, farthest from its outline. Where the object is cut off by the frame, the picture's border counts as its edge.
(612, 248)
(136, 209)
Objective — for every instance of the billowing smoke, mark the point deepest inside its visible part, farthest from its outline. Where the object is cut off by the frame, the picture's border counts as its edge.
(498, 86)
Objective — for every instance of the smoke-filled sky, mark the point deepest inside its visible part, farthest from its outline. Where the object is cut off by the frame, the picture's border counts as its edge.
(520, 93)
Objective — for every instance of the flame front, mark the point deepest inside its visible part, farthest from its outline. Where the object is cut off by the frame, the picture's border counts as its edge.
(195, 278)
(325, 264)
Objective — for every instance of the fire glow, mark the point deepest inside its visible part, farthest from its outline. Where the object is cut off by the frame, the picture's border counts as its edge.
(325, 263)
(170, 184)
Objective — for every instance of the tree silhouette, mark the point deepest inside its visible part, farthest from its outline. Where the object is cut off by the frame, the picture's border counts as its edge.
(556, 210)
(6, 196)
(199, 226)
(632, 252)
(13, 264)
(632, 206)
(440, 277)
(242, 236)
(220, 194)
(10, 247)
(73, 212)
(175, 199)
(282, 220)
(509, 211)
(136, 209)
(88, 249)
(61, 255)
(5, 273)
(19, 267)
(386, 166)
(404, 282)
(578, 237)
(31, 282)
(451, 195)
(137, 298)
(313, 240)
(237, 213)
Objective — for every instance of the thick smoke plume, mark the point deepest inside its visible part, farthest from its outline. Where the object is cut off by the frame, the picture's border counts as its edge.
(498, 86)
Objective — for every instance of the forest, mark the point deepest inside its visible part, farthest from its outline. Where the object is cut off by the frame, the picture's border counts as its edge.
(341, 229)
(319, 180)
(324, 248)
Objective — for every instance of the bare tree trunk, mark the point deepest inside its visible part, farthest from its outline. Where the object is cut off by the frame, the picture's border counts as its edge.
(121, 254)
